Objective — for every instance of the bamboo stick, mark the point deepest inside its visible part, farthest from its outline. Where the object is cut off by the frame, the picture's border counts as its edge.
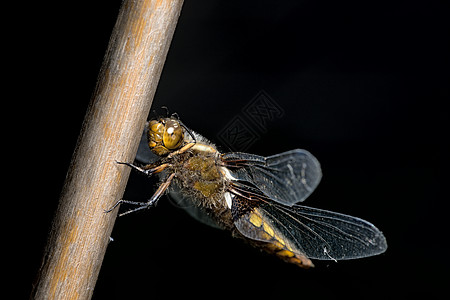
(111, 131)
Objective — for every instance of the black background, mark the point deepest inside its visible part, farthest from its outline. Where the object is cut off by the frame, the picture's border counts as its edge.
(362, 85)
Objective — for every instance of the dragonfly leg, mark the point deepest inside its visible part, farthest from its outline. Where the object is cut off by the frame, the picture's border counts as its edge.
(126, 202)
(151, 202)
(148, 170)
(181, 150)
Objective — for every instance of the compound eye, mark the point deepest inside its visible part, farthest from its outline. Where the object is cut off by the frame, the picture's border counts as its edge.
(155, 133)
(173, 135)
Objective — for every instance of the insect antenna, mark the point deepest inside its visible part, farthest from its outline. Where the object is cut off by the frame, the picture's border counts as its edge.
(167, 110)
(188, 131)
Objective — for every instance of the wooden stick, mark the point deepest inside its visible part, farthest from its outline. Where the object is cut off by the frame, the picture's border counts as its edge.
(111, 132)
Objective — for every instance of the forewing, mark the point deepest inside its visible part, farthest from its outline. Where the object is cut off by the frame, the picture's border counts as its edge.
(185, 202)
(286, 178)
(316, 233)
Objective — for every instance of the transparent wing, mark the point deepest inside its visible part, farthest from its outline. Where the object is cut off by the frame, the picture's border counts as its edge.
(286, 178)
(316, 233)
(188, 205)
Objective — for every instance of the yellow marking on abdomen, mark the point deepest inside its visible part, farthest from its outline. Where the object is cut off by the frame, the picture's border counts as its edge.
(268, 229)
(280, 240)
(255, 220)
(285, 253)
(276, 242)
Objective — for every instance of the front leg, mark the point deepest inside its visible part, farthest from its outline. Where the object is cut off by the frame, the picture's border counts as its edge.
(151, 202)
(181, 150)
(149, 169)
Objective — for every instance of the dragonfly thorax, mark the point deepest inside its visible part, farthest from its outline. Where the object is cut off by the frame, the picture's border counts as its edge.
(200, 175)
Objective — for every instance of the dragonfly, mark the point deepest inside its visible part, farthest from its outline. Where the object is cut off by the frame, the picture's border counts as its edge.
(256, 198)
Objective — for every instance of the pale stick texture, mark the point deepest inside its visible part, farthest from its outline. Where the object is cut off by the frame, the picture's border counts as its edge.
(111, 131)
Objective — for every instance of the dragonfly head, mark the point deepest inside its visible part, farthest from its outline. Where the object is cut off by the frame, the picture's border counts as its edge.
(165, 135)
